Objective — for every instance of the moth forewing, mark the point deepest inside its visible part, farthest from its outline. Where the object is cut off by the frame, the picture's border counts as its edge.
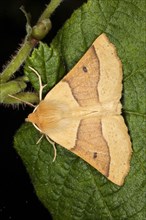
(82, 112)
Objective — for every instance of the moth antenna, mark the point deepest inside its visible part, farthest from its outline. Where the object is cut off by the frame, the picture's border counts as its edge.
(53, 144)
(28, 103)
(40, 82)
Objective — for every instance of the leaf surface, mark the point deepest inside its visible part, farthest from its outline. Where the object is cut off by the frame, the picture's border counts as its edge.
(69, 187)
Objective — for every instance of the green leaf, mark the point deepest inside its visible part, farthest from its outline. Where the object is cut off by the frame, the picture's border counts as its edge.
(48, 64)
(69, 187)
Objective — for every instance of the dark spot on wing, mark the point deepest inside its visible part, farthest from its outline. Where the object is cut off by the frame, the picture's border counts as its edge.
(85, 69)
(94, 155)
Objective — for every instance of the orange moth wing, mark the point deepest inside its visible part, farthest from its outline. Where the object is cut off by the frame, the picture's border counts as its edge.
(83, 112)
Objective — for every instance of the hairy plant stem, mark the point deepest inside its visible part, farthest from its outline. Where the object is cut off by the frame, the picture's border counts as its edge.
(16, 61)
(50, 9)
(36, 33)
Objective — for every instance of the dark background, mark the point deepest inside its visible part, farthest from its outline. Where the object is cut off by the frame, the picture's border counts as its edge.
(17, 196)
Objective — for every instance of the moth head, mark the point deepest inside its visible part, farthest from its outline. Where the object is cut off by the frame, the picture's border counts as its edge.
(46, 116)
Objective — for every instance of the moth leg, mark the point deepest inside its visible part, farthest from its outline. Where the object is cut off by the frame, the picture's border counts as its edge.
(51, 142)
(39, 140)
(54, 147)
(40, 82)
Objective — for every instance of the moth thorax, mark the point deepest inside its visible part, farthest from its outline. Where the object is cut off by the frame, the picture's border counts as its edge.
(46, 116)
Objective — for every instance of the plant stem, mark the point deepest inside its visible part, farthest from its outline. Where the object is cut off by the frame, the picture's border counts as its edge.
(11, 87)
(16, 61)
(22, 98)
(50, 9)
(30, 41)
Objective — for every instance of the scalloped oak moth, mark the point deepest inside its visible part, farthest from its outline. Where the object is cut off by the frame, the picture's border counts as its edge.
(83, 112)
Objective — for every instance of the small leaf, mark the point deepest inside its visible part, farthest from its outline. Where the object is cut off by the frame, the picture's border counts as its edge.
(48, 64)
(69, 187)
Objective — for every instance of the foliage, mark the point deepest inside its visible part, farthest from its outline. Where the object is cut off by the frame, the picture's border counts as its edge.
(69, 187)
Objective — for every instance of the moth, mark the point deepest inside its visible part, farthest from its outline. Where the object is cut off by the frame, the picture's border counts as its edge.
(82, 113)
